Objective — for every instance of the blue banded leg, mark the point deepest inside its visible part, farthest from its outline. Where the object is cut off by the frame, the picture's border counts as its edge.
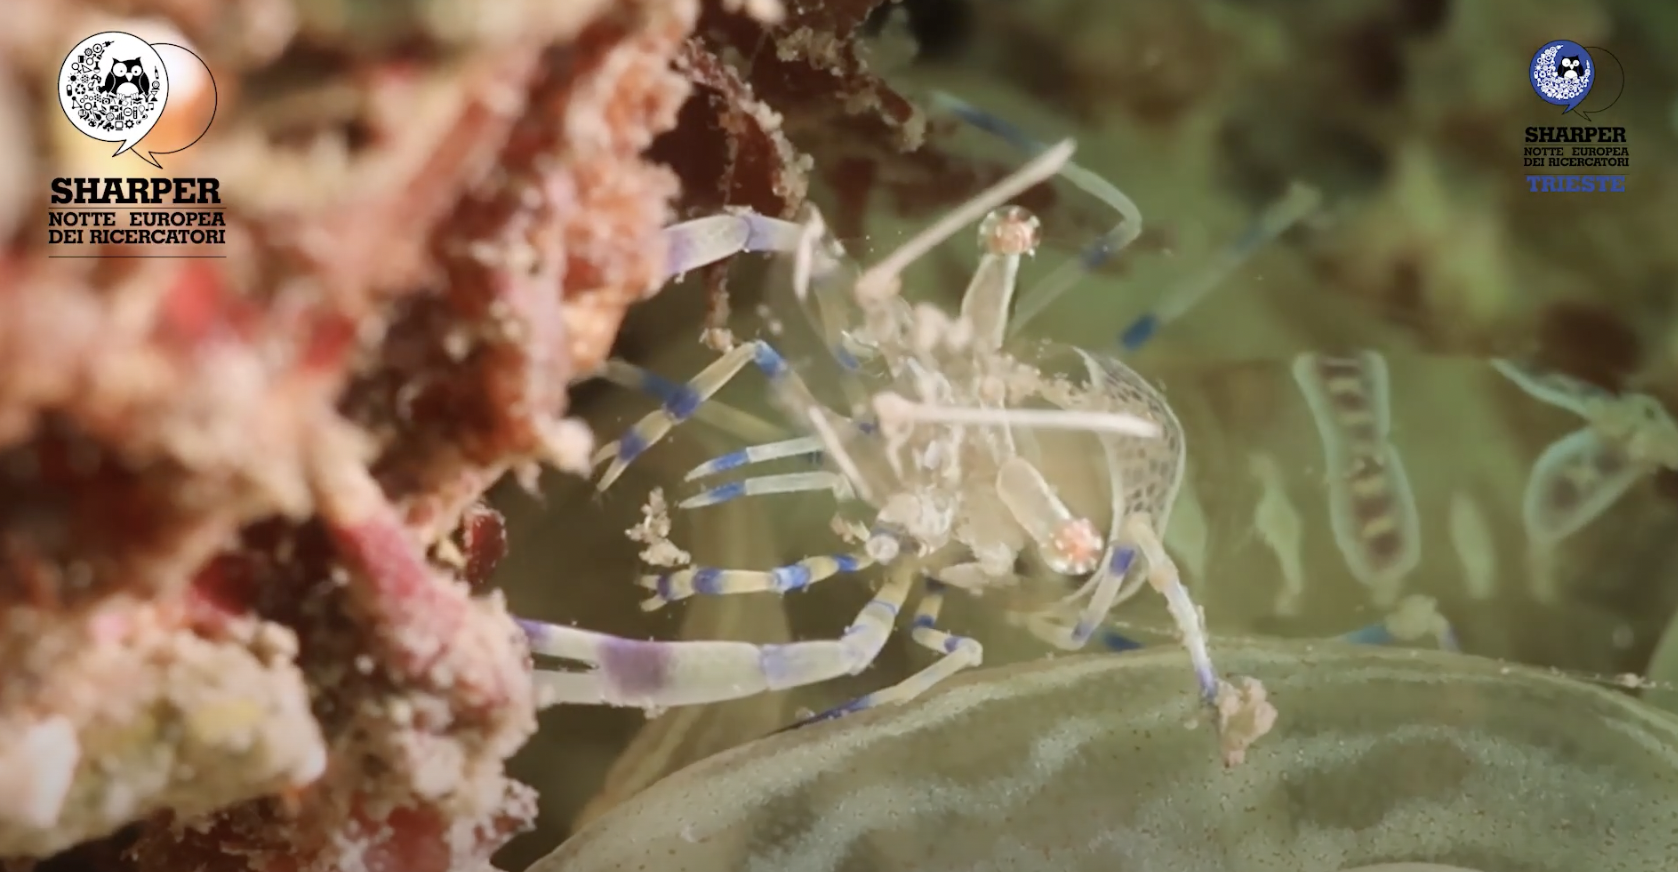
(669, 587)
(796, 447)
(787, 483)
(1374, 634)
(684, 401)
(816, 256)
(816, 259)
(1104, 591)
(1291, 208)
(1163, 577)
(956, 653)
(742, 425)
(701, 241)
(656, 675)
(1136, 537)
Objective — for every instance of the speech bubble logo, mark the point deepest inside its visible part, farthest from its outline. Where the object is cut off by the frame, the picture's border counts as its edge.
(1562, 73)
(113, 86)
(186, 117)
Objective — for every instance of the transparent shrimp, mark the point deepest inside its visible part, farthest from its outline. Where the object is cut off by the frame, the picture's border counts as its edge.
(865, 451)
(946, 470)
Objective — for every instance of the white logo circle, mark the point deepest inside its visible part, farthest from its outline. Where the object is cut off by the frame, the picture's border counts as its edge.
(113, 86)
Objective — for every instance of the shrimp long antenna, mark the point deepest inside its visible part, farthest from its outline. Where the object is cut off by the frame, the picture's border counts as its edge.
(881, 280)
(1294, 206)
(894, 408)
(1109, 244)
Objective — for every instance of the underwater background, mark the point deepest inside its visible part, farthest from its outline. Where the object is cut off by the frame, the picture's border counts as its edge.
(288, 515)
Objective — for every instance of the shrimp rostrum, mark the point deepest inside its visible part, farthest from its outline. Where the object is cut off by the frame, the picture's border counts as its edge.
(948, 467)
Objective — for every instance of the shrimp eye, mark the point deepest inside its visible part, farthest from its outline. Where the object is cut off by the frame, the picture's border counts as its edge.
(1010, 230)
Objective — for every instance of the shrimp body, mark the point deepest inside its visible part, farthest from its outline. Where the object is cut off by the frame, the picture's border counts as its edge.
(951, 468)
(960, 458)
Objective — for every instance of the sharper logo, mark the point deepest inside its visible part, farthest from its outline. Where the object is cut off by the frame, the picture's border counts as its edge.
(1584, 81)
(151, 100)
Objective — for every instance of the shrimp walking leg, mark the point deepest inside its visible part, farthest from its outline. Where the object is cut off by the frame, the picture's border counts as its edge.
(737, 423)
(801, 446)
(683, 402)
(1163, 577)
(701, 241)
(669, 587)
(656, 675)
(956, 653)
(759, 485)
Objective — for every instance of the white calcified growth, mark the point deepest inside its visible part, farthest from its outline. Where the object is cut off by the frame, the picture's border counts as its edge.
(1245, 715)
(654, 532)
(1472, 539)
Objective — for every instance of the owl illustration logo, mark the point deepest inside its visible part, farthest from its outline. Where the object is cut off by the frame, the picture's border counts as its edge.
(113, 87)
(1561, 73)
(127, 78)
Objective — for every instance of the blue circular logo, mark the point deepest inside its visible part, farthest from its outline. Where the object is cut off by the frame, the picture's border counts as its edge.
(1561, 73)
